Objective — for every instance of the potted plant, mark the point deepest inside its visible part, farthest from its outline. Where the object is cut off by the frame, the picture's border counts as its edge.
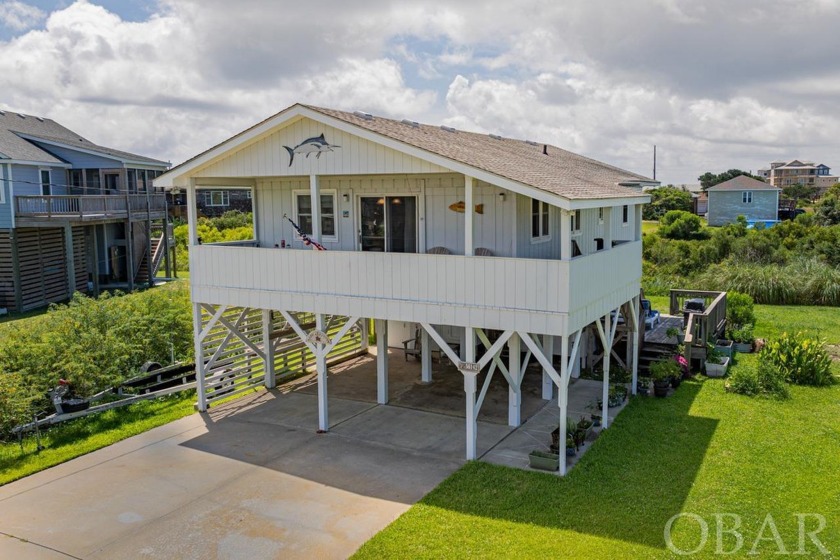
(743, 338)
(544, 460)
(724, 346)
(643, 386)
(571, 450)
(662, 371)
(617, 395)
(716, 362)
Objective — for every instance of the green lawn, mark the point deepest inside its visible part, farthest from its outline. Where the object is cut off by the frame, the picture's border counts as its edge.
(78, 437)
(702, 451)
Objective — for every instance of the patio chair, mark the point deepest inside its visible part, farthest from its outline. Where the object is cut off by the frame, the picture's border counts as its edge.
(413, 346)
(483, 252)
(439, 251)
(651, 316)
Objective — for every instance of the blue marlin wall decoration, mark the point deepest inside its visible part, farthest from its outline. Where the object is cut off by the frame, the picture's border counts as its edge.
(316, 145)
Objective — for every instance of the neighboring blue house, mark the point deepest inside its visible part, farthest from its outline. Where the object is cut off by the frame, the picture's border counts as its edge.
(754, 199)
(74, 216)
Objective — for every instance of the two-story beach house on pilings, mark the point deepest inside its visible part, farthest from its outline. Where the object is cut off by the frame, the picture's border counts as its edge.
(484, 243)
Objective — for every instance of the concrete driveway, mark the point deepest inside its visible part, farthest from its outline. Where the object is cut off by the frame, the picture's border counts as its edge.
(251, 479)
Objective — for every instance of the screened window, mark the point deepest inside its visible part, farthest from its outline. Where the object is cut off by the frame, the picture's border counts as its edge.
(93, 182)
(601, 215)
(45, 182)
(746, 197)
(217, 198)
(625, 214)
(539, 220)
(304, 214)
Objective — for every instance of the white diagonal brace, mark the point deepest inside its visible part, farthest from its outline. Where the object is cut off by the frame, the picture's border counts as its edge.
(242, 337)
(495, 355)
(524, 365)
(614, 325)
(442, 343)
(634, 315)
(601, 334)
(300, 332)
(484, 388)
(216, 314)
(492, 351)
(337, 338)
(212, 361)
(537, 352)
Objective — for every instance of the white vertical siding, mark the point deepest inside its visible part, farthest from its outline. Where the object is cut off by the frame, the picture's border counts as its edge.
(268, 157)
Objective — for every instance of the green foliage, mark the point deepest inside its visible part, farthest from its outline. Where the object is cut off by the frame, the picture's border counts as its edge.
(801, 359)
(679, 224)
(742, 334)
(740, 308)
(16, 401)
(665, 199)
(709, 179)
(96, 343)
(766, 379)
(230, 226)
(667, 368)
(800, 193)
(827, 208)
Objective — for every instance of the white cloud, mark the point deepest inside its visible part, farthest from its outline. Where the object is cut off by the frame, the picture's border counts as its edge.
(19, 16)
(708, 83)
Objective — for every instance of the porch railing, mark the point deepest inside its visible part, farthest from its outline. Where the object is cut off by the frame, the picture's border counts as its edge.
(700, 327)
(88, 206)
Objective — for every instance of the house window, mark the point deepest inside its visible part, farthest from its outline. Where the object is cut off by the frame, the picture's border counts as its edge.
(46, 189)
(746, 197)
(600, 215)
(625, 215)
(303, 210)
(93, 182)
(539, 220)
(217, 198)
(75, 179)
(576, 226)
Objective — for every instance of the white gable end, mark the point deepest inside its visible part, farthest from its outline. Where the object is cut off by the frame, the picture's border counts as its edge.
(339, 153)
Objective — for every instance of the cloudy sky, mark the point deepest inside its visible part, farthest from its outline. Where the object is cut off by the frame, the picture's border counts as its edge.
(714, 84)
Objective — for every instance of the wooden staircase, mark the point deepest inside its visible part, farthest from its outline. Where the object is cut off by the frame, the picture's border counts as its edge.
(158, 250)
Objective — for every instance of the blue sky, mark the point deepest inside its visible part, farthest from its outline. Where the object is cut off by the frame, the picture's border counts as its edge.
(715, 84)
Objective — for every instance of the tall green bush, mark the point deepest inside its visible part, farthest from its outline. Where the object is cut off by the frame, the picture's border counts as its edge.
(679, 224)
(801, 359)
(740, 309)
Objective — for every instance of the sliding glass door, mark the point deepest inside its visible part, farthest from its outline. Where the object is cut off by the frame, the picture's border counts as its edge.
(388, 223)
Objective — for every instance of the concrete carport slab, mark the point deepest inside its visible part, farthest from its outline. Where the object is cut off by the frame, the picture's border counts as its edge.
(249, 479)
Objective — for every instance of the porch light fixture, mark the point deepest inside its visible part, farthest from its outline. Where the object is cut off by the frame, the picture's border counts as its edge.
(502, 197)
(346, 197)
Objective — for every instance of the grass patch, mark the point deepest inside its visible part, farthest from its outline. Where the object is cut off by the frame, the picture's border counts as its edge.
(695, 452)
(650, 226)
(83, 435)
(702, 451)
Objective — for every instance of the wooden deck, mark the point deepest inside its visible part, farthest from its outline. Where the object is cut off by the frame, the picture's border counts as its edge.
(37, 210)
(658, 336)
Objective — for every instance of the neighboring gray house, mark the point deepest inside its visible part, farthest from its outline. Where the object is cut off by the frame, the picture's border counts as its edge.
(754, 199)
(74, 216)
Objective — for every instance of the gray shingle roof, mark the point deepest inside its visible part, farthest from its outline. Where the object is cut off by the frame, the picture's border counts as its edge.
(14, 146)
(559, 171)
(743, 183)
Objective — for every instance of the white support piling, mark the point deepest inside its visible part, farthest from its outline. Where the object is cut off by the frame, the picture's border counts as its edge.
(514, 392)
(634, 318)
(563, 401)
(321, 366)
(425, 357)
(364, 328)
(268, 349)
(201, 389)
(470, 384)
(547, 383)
(605, 393)
(381, 328)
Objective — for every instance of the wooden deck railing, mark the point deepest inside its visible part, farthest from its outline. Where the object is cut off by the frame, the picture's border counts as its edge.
(88, 206)
(700, 327)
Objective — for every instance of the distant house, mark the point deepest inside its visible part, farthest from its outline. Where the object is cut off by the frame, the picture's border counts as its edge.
(799, 172)
(215, 202)
(754, 199)
(74, 216)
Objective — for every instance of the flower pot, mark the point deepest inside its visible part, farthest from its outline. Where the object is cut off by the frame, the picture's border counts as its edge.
(570, 452)
(743, 347)
(717, 370)
(544, 461)
(725, 347)
(660, 387)
(675, 381)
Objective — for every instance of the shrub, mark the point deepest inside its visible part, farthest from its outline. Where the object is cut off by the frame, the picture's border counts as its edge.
(802, 360)
(665, 369)
(740, 309)
(766, 379)
(742, 334)
(679, 224)
(16, 400)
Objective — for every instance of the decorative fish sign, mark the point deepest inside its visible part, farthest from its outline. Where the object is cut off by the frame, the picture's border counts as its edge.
(460, 206)
(316, 145)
